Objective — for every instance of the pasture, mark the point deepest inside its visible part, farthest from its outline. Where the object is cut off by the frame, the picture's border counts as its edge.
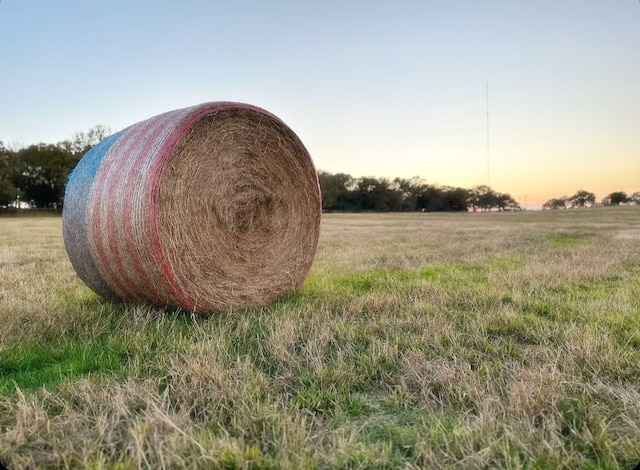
(495, 340)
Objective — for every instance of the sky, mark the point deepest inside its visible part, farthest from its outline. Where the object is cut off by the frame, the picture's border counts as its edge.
(393, 88)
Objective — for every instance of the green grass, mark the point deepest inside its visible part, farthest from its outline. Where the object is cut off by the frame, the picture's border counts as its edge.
(563, 240)
(33, 365)
(418, 341)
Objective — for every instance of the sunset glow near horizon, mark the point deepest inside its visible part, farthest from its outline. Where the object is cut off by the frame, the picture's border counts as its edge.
(376, 88)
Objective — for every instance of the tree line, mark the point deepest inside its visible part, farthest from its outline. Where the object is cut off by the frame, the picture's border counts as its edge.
(584, 198)
(37, 174)
(343, 192)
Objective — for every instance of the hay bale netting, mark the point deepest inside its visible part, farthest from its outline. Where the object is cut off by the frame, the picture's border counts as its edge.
(212, 207)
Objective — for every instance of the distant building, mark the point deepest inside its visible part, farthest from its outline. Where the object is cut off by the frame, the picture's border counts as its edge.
(18, 204)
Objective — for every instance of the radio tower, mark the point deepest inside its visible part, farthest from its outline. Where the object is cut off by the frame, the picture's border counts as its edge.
(488, 148)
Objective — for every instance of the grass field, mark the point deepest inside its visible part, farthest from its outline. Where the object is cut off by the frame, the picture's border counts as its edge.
(498, 340)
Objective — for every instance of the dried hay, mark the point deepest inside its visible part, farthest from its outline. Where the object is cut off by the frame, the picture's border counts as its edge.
(212, 207)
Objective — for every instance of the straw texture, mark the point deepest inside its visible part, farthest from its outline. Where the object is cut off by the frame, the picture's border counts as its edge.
(212, 207)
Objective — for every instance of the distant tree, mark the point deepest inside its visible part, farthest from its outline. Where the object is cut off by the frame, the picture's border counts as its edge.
(635, 198)
(374, 194)
(334, 189)
(582, 198)
(8, 170)
(474, 200)
(556, 203)
(482, 197)
(616, 198)
(431, 199)
(505, 202)
(81, 142)
(410, 190)
(42, 173)
(456, 199)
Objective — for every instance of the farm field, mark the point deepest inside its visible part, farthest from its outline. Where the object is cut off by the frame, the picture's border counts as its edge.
(490, 340)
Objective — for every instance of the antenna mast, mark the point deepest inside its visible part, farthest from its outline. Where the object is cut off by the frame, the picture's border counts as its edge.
(488, 153)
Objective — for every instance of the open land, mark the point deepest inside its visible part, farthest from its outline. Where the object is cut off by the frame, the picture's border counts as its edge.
(493, 340)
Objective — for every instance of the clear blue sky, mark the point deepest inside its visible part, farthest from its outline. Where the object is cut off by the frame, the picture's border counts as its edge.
(379, 88)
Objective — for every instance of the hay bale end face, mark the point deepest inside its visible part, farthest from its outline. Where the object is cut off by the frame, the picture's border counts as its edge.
(212, 207)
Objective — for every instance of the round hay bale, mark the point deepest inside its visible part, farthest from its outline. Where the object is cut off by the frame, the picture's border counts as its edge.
(212, 207)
